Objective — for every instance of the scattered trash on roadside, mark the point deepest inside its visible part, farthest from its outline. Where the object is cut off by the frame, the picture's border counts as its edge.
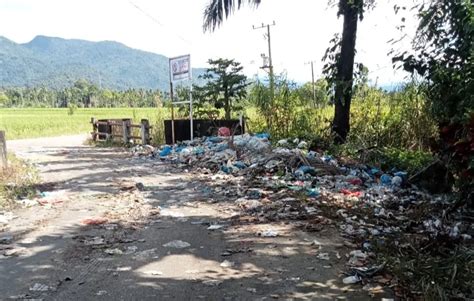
(212, 282)
(145, 254)
(131, 249)
(177, 244)
(351, 280)
(215, 227)
(227, 264)
(268, 233)
(367, 272)
(5, 240)
(27, 202)
(142, 150)
(17, 251)
(6, 217)
(323, 256)
(95, 241)
(115, 251)
(38, 287)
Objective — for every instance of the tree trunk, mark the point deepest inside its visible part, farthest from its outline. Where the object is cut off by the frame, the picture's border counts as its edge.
(227, 111)
(344, 75)
(227, 107)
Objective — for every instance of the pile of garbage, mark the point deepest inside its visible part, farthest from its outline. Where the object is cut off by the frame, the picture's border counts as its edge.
(285, 181)
(290, 166)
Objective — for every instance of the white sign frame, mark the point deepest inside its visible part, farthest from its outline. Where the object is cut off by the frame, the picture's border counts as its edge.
(180, 68)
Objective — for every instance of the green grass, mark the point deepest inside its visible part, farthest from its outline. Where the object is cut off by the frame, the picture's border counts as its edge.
(39, 122)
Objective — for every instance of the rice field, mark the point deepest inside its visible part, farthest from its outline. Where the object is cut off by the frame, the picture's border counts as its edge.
(49, 122)
(44, 122)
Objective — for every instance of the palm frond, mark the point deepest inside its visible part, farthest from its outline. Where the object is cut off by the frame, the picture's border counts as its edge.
(218, 10)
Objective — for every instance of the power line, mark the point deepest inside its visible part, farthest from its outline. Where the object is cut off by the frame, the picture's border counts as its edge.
(158, 22)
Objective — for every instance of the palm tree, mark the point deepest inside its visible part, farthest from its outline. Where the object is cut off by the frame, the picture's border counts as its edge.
(218, 10)
(352, 10)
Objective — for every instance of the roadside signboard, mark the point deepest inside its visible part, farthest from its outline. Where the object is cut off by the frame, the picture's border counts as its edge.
(180, 68)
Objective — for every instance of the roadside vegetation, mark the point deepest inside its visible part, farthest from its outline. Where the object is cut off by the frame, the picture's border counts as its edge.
(17, 180)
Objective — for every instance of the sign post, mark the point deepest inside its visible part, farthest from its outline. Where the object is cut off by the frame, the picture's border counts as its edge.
(191, 105)
(180, 69)
(172, 113)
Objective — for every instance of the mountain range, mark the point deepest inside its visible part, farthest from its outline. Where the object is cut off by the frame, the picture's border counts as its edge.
(56, 63)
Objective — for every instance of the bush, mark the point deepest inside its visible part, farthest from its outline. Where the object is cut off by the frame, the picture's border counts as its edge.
(399, 119)
(17, 180)
(289, 113)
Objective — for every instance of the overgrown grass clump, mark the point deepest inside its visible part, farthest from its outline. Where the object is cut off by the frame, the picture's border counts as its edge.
(17, 180)
(436, 271)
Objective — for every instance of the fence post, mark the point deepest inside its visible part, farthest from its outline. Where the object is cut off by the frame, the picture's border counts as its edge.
(3, 150)
(108, 135)
(126, 130)
(94, 129)
(145, 131)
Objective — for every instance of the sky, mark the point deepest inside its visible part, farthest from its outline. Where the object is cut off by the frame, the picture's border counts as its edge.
(174, 27)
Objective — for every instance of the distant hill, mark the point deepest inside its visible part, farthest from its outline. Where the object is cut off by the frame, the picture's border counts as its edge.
(57, 63)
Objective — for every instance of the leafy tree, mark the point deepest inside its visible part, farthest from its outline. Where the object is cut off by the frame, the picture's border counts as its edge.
(84, 92)
(443, 54)
(3, 99)
(342, 74)
(226, 85)
(81, 94)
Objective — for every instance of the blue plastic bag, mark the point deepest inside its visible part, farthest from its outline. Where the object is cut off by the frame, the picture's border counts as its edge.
(199, 151)
(401, 174)
(178, 149)
(386, 179)
(215, 139)
(305, 169)
(221, 147)
(262, 135)
(240, 164)
(313, 192)
(166, 151)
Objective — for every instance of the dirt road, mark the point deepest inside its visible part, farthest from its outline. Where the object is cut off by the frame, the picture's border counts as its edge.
(113, 227)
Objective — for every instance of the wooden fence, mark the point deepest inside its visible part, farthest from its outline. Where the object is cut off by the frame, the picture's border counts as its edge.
(3, 150)
(123, 129)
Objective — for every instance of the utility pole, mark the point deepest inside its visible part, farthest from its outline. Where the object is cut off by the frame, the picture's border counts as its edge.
(270, 63)
(312, 80)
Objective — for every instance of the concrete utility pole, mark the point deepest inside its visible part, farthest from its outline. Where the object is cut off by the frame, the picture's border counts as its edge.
(270, 62)
(312, 80)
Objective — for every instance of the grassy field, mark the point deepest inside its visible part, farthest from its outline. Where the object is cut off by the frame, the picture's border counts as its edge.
(33, 122)
(44, 122)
